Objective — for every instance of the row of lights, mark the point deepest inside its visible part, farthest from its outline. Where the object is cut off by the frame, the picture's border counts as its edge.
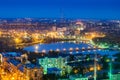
(64, 49)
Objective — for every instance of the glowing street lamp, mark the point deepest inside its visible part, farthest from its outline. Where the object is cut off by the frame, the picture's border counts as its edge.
(77, 49)
(64, 49)
(43, 51)
(58, 50)
(36, 47)
(70, 49)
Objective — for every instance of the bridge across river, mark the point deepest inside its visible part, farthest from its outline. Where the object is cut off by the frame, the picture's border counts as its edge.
(67, 47)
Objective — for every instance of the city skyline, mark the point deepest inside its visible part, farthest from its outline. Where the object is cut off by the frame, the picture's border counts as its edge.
(59, 49)
(95, 9)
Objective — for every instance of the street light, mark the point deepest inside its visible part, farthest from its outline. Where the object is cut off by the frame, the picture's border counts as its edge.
(36, 47)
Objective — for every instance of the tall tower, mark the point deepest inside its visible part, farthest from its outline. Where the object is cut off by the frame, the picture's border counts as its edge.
(61, 15)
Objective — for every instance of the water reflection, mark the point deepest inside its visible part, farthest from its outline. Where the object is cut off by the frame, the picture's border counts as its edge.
(67, 47)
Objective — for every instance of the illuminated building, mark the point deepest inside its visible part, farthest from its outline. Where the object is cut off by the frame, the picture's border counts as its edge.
(80, 26)
(77, 27)
(19, 68)
(34, 72)
(57, 62)
(114, 77)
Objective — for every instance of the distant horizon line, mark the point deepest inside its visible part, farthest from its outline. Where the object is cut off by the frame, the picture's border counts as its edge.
(59, 18)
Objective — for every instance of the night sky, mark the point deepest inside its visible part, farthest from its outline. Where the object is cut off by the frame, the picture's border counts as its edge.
(95, 9)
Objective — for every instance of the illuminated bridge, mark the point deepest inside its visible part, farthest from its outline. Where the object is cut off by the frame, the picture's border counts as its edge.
(68, 47)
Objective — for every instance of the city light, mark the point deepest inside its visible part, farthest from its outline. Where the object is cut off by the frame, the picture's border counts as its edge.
(43, 48)
(17, 40)
(36, 47)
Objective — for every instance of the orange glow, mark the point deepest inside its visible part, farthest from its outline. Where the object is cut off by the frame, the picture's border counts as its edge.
(98, 68)
(75, 71)
(17, 40)
(71, 49)
(91, 69)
